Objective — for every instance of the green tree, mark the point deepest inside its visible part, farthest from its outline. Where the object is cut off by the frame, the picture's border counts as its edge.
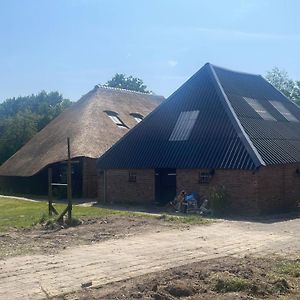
(128, 83)
(46, 105)
(16, 132)
(22, 117)
(281, 80)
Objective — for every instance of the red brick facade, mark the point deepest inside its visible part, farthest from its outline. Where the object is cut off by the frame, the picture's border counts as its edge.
(279, 187)
(269, 189)
(240, 186)
(120, 189)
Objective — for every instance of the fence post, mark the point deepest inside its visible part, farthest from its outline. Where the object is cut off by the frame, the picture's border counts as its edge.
(69, 182)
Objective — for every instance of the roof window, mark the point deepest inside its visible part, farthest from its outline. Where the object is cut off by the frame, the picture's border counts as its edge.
(184, 125)
(138, 117)
(114, 117)
(259, 109)
(284, 111)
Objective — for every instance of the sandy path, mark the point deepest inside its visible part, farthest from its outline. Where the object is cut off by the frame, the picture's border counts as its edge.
(43, 276)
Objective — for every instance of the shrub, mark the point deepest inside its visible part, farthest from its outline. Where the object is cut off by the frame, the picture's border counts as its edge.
(219, 200)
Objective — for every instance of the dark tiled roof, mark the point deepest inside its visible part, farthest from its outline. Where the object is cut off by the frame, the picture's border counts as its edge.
(228, 132)
(276, 141)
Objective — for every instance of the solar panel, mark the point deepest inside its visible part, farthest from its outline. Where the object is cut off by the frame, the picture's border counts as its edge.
(184, 125)
(284, 111)
(259, 109)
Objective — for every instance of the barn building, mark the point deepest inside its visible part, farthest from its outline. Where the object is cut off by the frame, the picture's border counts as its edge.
(220, 129)
(94, 124)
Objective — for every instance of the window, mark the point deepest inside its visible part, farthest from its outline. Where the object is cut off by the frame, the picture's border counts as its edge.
(184, 125)
(204, 177)
(284, 111)
(114, 117)
(138, 117)
(131, 176)
(259, 109)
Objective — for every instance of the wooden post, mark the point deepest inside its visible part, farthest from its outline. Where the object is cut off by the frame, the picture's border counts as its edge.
(69, 182)
(50, 191)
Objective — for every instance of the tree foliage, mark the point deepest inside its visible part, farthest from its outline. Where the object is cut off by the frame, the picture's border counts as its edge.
(22, 117)
(128, 83)
(281, 80)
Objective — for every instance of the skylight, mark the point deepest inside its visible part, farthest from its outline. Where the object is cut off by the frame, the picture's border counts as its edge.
(114, 117)
(184, 125)
(284, 111)
(259, 109)
(138, 117)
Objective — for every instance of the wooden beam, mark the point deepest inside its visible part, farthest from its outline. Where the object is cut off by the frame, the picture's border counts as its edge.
(61, 216)
(69, 182)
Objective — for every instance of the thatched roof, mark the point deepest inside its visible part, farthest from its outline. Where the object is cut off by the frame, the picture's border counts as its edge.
(87, 124)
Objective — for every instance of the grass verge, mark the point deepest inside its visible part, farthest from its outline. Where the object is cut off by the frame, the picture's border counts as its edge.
(186, 219)
(290, 268)
(15, 213)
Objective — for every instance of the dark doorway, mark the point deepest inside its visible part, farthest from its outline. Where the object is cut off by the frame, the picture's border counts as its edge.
(59, 175)
(165, 185)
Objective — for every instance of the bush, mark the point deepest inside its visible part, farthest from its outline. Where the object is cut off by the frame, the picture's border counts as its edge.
(219, 200)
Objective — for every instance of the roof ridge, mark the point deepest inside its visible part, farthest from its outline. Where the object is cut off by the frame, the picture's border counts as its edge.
(257, 159)
(233, 71)
(124, 90)
(160, 106)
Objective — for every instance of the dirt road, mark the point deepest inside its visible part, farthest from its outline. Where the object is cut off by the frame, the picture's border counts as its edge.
(44, 276)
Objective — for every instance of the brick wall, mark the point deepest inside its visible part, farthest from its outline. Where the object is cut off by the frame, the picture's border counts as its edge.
(89, 177)
(267, 190)
(240, 186)
(278, 187)
(119, 189)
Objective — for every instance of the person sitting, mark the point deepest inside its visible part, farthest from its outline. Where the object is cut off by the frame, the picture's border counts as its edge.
(203, 210)
(178, 201)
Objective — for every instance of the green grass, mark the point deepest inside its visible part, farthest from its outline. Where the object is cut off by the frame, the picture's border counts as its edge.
(16, 213)
(23, 214)
(232, 284)
(186, 219)
(290, 268)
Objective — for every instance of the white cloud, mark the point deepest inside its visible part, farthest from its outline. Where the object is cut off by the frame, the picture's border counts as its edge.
(172, 63)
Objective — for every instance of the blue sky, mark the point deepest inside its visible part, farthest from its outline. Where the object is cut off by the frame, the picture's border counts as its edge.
(71, 45)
